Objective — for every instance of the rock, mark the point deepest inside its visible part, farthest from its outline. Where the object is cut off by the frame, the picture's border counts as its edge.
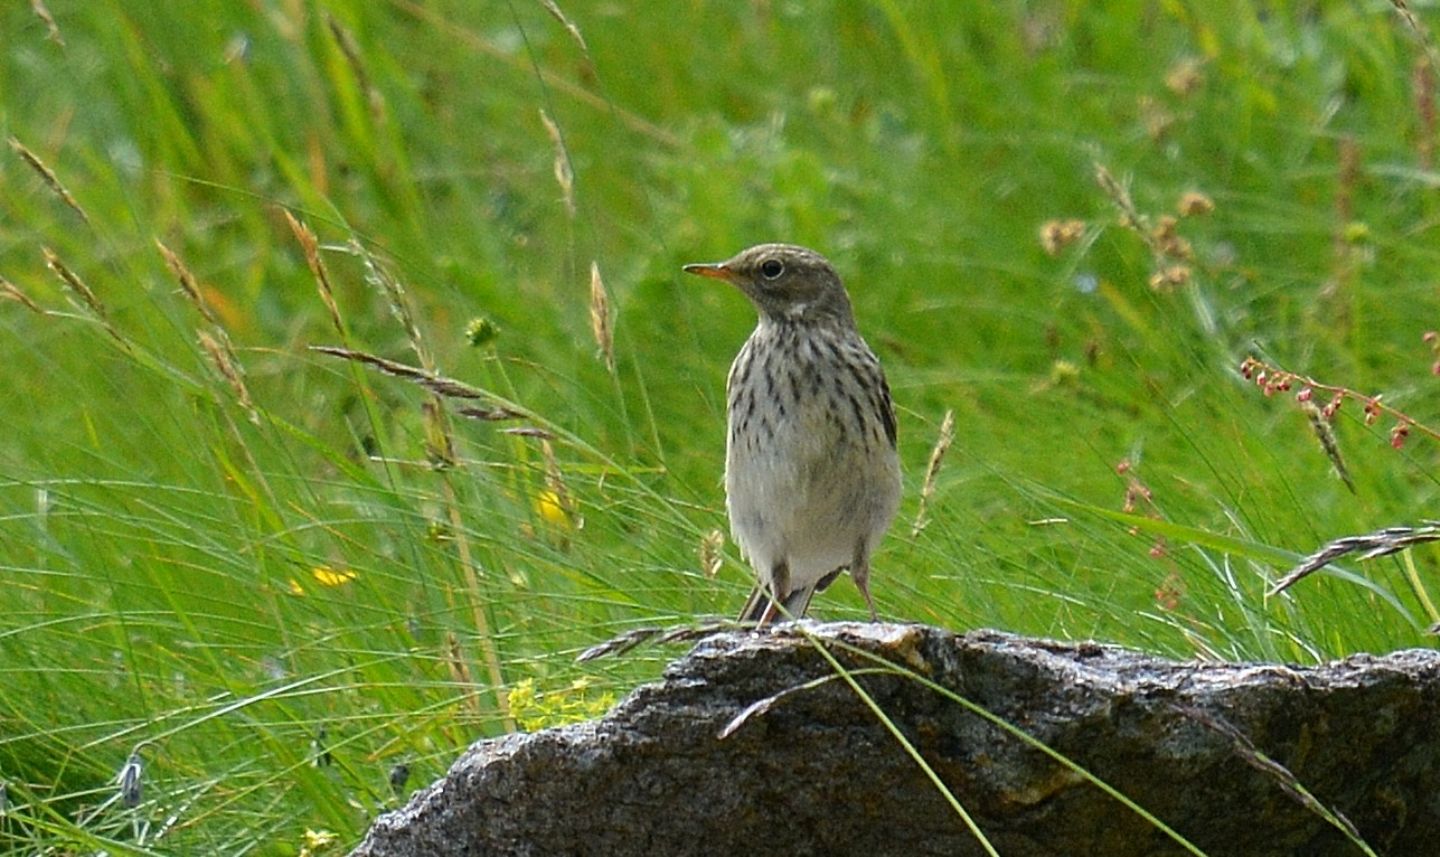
(1238, 759)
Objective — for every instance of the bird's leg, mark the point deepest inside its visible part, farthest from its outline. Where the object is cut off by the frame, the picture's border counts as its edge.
(779, 591)
(860, 573)
(798, 601)
(772, 607)
(770, 592)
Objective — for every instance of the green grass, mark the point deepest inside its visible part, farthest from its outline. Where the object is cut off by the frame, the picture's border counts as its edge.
(159, 549)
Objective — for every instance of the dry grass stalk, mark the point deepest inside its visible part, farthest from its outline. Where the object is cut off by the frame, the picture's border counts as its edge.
(1423, 83)
(1170, 253)
(460, 671)
(440, 451)
(1120, 196)
(215, 343)
(1348, 173)
(350, 48)
(439, 440)
(310, 246)
(1402, 8)
(601, 322)
(48, 177)
(1343, 244)
(10, 291)
(442, 386)
(52, 30)
(447, 387)
(569, 25)
(439, 443)
(564, 173)
(1329, 442)
(623, 643)
(85, 296)
(76, 285)
(223, 358)
(932, 471)
(1369, 546)
(711, 545)
(472, 572)
(391, 289)
(188, 284)
(1246, 751)
(489, 414)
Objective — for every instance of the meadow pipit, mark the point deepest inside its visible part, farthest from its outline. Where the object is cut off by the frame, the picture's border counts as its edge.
(812, 479)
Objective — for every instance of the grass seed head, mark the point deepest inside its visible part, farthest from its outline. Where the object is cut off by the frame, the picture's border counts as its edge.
(1056, 235)
(601, 322)
(48, 177)
(1194, 203)
(564, 173)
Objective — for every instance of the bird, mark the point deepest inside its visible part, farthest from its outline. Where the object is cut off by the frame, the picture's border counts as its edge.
(812, 474)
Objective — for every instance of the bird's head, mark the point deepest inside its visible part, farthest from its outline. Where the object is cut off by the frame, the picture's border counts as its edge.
(785, 282)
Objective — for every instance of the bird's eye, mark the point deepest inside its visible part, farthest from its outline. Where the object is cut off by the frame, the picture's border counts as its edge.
(772, 268)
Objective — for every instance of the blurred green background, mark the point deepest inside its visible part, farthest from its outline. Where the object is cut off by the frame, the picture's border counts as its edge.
(288, 599)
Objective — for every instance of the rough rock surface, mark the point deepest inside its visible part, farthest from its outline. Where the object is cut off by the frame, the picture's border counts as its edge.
(1225, 754)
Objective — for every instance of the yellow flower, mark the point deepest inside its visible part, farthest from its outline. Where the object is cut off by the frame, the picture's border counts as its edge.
(327, 576)
(551, 508)
(534, 710)
(317, 842)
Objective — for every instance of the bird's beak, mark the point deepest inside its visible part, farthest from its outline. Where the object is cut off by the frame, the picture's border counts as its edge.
(716, 271)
